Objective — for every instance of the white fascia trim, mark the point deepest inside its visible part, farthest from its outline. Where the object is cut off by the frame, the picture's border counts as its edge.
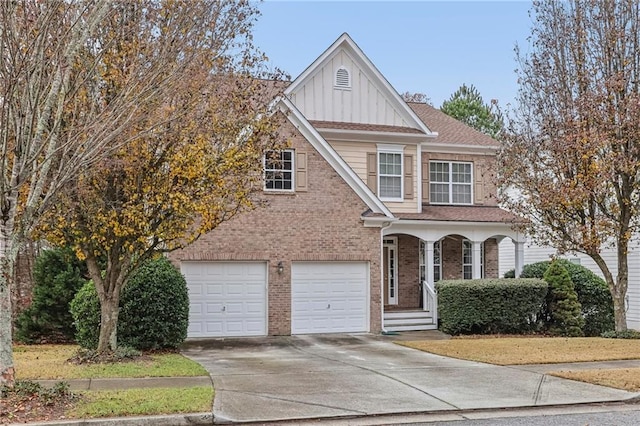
(378, 222)
(372, 136)
(459, 149)
(393, 148)
(454, 223)
(364, 61)
(332, 157)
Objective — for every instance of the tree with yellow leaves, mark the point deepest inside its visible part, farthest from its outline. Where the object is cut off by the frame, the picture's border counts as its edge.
(93, 90)
(571, 154)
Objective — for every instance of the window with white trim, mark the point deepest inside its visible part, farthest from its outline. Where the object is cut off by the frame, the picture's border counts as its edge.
(467, 260)
(437, 261)
(390, 174)
(278, 170)
(450, 182)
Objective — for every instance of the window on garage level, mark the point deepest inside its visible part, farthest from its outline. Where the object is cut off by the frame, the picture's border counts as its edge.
(279, 170)
(450, 182)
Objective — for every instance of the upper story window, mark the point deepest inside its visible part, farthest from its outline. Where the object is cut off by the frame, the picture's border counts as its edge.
(279, 170)
(390, 174)
(343, 78)
(450, 182)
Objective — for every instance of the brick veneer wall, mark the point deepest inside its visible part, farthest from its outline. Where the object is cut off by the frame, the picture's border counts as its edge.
(320, 224)
(452, 258)
(408, 271)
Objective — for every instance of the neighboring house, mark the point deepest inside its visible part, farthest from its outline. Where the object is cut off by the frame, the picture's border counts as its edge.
(535, 253)
(374, 202)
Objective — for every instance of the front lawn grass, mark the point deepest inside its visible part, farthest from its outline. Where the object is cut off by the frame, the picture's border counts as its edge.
(143, 402)
(621, 378)
(536, 350)
(546, 350)
(37, 362)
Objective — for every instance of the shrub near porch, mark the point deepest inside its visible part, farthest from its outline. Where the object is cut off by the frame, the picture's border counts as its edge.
(490, 305)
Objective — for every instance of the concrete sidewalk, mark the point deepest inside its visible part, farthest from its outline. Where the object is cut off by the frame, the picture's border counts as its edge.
(331, 377)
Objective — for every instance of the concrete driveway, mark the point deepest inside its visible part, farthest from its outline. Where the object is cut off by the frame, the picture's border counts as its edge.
(324, 376)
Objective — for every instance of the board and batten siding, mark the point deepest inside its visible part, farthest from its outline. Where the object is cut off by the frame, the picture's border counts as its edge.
(364, 102)
(355, 154)
(534, 253)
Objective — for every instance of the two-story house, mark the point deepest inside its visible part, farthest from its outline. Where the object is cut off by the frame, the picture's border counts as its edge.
(375, 200)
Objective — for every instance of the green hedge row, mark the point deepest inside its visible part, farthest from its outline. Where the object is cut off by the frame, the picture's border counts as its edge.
(593, 294)
(490, 306)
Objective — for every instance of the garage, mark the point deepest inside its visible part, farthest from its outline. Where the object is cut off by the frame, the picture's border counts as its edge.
(226, 299)
(329, 297)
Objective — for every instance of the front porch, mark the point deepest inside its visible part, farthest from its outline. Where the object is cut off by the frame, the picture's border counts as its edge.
(413, 265)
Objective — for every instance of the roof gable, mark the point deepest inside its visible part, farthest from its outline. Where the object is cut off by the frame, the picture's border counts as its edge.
(343, 85)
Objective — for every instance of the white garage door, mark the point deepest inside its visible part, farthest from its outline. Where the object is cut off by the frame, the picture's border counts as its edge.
(226, 298)
(329, 297)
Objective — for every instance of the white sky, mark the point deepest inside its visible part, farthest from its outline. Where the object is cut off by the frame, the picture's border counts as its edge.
(419, 46)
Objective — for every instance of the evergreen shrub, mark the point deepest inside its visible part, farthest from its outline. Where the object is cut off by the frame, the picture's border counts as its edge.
(57, 276)
(154, 309)
(593, 294)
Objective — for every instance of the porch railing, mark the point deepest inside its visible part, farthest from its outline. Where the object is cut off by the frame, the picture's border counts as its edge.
(430, 299)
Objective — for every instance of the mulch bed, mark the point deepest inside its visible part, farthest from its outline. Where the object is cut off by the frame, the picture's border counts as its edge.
(16, 408)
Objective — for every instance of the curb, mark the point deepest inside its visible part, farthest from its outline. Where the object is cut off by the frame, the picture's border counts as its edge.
(190, 419)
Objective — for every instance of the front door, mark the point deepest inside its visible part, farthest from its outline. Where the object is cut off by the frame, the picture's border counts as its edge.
(390, 265)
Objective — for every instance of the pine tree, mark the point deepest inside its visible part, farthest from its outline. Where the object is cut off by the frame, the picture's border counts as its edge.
(562, 299)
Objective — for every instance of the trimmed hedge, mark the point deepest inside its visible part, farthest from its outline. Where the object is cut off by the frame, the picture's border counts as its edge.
(154, 309)
(593, 294)
(489, 306)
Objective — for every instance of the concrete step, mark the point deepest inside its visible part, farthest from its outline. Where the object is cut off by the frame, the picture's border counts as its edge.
(407, 314)
(409, 320)
(411, 327)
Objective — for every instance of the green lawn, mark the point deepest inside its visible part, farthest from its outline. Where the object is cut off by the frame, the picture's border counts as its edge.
(36, 362)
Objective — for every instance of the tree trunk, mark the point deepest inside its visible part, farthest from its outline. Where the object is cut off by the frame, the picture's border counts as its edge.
(617, 286)
(109, 288)
(8, 255)
(109, 310)
(7, 371)
(619, 292)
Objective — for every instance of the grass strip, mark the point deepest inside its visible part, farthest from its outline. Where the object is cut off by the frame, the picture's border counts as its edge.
(620, 378)
(141, 402)
(518, 351)
(50, 362)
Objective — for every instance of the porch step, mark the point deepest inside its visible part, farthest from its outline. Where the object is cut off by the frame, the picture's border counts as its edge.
(409, 320)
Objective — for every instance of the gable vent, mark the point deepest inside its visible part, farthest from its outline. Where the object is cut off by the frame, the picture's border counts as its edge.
(343, 80)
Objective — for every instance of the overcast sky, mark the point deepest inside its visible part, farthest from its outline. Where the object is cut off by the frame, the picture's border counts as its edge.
(419, 46)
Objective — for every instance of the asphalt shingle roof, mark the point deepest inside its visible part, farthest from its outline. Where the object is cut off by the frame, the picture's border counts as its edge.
(450, 130)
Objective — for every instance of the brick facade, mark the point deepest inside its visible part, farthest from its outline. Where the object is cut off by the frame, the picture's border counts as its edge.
(322, 223)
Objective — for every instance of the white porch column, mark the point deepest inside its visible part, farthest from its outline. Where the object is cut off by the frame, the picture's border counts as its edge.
(428, 273)
(519, 249)
(475, 260)
(428, 261)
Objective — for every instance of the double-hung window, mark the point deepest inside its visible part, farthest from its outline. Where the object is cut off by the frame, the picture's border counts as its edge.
(278, 170)
(450, 182)
(390, 172)
(437, 261)
(467, 260)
